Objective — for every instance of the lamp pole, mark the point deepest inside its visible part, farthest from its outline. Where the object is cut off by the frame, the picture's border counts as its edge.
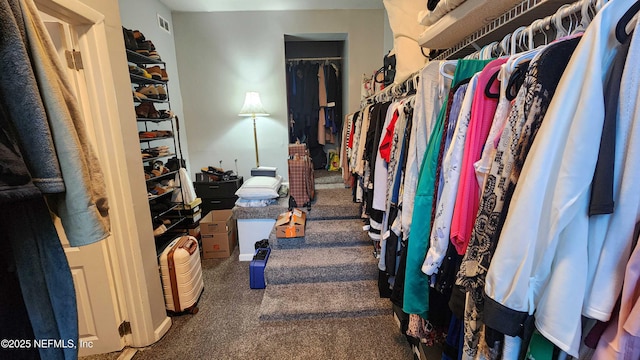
(255, 139)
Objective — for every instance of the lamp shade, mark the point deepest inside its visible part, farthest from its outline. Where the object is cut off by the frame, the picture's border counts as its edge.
(252, 105)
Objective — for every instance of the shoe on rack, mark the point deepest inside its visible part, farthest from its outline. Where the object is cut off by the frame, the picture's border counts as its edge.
(139, 96)
(144, 48)
(159, 230)
(142, 110)
(165, 77)
(162, 92)
(129, 40)
(135, 70)
(153, 54)
(150, 91)
(153, 113)
(165, 114)
(138, 36)
(146, 110)
(148, 49)
(155, 72)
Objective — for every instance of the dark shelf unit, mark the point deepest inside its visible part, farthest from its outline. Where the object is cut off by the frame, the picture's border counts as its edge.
(136, 100)
(158, 157)
(155, 178)
(140, 59)
(141, 80)
(154, 120)
(156, 138)
(172, 221)
(156, 197)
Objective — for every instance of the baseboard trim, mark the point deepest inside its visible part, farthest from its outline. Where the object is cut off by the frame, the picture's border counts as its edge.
(245, 257)
(162, 329)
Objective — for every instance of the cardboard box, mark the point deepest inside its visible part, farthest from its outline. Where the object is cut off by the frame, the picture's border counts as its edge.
(217, 221)
(218, 234)
(291, 224)
(220, 245)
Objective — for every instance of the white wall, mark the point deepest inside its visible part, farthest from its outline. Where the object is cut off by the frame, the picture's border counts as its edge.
(388, 34)
(143, 15)
(223, 55)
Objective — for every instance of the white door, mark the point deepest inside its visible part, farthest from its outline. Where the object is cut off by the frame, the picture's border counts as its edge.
(92, 267)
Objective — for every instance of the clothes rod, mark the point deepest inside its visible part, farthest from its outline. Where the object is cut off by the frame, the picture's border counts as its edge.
(316, 59)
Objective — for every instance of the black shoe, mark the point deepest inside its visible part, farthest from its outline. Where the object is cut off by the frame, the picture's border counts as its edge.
(129, 40)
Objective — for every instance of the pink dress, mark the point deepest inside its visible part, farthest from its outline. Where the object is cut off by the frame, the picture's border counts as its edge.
(468, 197)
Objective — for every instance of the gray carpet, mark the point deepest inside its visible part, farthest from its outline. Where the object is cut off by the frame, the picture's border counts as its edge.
(326, 306)
(321, 265)
(323, 233)
(292, 301)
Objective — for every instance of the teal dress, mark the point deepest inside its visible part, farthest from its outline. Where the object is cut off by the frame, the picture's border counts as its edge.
(416, 283)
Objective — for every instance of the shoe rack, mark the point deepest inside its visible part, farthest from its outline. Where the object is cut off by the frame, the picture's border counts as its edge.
(158, 143)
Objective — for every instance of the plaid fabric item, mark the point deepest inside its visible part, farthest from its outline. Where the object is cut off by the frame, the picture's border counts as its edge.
(311, 184)
(298, 149)
(301, 187)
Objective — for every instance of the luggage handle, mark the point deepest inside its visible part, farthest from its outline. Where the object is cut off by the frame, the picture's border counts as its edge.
(190, 246)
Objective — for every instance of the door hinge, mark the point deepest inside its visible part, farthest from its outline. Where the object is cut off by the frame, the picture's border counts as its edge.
(124, 328)
(74, 59)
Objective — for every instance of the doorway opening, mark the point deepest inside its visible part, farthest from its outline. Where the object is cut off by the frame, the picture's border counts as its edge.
(316, 73)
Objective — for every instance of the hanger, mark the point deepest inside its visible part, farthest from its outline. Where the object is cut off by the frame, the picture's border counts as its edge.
(444, 75)
(504, 45)
(487, 88)
(487, 51)
(621, 28)
(514, 38)
(557, 22)
(443, 68)
(585, 16)
(542, 26)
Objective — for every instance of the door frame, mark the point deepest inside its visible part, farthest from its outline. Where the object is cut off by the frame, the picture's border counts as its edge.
(134, 296)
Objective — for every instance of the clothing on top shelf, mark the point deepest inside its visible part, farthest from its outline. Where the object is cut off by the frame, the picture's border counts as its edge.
(435, 12)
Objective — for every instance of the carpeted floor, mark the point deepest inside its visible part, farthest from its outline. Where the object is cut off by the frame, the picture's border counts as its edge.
(228, 327)
(229, 323)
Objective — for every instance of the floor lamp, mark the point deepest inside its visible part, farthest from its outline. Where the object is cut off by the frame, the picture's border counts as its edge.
(253, 107)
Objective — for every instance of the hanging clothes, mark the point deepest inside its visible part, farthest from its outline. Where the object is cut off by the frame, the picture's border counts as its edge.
(39, 109)
(451, 164)
(549, 248)
(416, 283)
(322, 104)
(429, 100)
(467, 196)
(334, 97)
